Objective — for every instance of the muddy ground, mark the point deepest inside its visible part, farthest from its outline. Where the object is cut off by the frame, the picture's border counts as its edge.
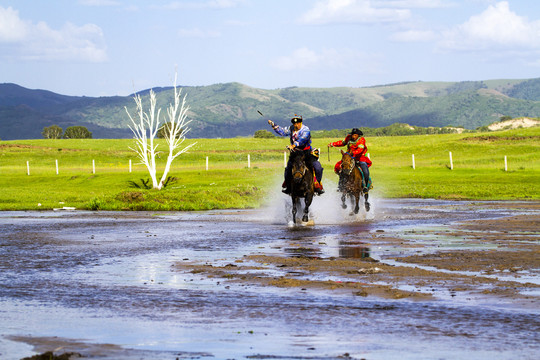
(414, 279)
(514, 249)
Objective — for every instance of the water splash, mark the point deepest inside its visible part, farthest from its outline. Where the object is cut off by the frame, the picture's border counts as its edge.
(324, 210)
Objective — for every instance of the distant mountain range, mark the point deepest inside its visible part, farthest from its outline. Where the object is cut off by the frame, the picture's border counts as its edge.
(231, 109)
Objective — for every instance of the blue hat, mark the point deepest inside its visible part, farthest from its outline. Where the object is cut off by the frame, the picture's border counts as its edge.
(296, 119)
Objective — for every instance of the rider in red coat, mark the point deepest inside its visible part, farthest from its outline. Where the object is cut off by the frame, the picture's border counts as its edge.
(356, 146)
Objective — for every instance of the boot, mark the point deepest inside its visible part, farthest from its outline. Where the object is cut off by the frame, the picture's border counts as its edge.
(366, 183)
(285, 189)
(318, 188)
(340, 185)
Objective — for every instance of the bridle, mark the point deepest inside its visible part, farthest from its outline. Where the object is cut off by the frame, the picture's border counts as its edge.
(299, 167)
(299, 170)
(349, 167)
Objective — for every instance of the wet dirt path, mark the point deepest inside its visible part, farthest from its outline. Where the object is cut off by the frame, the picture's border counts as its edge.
(415, 279)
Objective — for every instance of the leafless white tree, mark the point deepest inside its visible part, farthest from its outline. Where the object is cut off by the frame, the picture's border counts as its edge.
(146, 126)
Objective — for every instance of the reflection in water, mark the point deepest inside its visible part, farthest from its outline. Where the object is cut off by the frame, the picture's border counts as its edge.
(331, 247)
(353, 252)
(300, 252)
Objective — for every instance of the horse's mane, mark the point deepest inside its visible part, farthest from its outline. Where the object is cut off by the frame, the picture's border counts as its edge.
(346, 154)
(297, 155)
(299, 161)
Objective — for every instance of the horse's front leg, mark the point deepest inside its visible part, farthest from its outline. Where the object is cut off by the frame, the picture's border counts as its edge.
(309, 199)
(294, 209)
(343, 198)
(366, 203)
(356, 201)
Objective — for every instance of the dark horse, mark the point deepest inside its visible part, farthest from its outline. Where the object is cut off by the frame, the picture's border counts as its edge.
(301, 183)
(351, 182)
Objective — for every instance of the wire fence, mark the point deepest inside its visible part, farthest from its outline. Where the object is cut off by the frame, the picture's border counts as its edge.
(210, 165)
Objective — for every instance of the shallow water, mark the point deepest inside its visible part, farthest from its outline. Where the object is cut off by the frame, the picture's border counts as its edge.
(109, 278)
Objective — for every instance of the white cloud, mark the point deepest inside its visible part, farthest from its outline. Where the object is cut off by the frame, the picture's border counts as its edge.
(411, 4)
(300, 59)
(29, 41)
(12, 28)
(210, 4)
(414, 36)
(353, 11)
(99, 2)
(328, 59)
(198, 33)
(497, 28)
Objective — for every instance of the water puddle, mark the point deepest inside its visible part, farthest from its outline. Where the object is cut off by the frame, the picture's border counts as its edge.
(244, 284)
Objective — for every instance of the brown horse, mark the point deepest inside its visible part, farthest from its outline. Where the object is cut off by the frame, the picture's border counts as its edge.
(302, 185)
(351, 183)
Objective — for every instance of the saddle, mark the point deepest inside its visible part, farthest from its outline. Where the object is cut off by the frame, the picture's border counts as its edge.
(366, 185)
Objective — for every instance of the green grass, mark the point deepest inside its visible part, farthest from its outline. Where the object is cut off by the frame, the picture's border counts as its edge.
(193, 190)
(478, 171)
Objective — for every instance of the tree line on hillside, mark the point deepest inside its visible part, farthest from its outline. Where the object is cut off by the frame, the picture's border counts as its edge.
(397, 129)
(81, 132)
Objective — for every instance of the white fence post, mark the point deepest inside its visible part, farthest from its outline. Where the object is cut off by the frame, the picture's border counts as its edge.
(413, 165)
(451, 162)
(129, 165)
(505, 164)
(56, 166)
(28, 168)
(207, 163)
(249, 162)
(284, 159)
(93, 166)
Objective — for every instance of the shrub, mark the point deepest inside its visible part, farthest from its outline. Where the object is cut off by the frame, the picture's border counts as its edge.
(77, 132)
(263, 134)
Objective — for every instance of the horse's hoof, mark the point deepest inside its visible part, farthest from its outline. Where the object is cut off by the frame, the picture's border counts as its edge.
(305, 219)
(368, 206)
(343, 206)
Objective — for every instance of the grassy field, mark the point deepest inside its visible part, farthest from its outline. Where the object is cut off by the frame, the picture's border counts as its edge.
(478, 171)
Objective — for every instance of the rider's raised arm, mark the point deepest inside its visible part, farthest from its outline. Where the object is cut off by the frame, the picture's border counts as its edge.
(280, 130)
(341, 142)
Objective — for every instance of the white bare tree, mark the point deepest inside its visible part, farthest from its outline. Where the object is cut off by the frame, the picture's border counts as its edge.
(146, 127)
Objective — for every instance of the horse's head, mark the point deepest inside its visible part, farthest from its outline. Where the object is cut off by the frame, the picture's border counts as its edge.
(299, 167)
(347, 162)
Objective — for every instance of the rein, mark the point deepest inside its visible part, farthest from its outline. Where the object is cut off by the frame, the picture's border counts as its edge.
(348, 170)
(302, 170)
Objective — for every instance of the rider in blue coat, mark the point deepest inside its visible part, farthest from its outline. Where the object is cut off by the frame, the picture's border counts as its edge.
(300, 138)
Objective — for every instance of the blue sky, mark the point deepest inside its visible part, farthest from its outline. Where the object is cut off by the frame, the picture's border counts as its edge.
(116, 47)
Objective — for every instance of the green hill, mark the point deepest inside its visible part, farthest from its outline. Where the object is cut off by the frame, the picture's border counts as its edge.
(229, 110)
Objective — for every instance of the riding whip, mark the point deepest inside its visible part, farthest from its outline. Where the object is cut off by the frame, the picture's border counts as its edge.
(328, 153)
